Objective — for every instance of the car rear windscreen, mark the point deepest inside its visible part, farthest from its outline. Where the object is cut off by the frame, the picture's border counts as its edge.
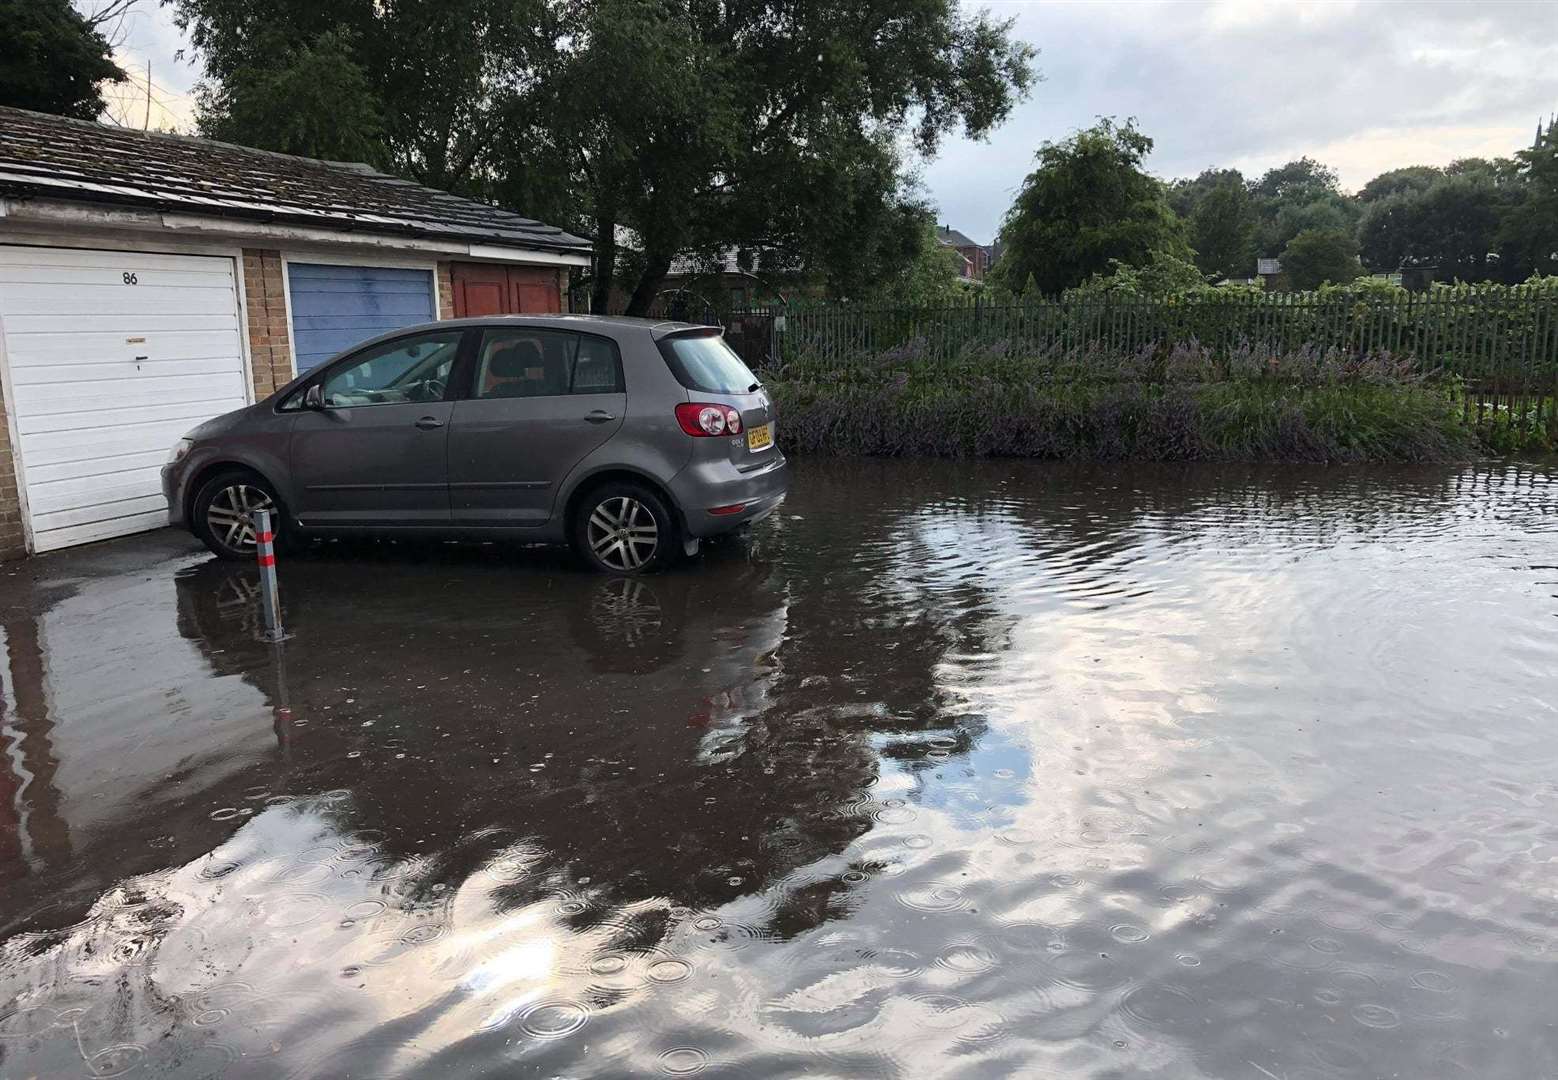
(704, 362)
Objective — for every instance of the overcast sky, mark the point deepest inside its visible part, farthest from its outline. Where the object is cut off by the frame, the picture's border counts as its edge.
(1363, 85)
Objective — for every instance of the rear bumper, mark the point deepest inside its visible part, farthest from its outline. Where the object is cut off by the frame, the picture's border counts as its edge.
(706, 485)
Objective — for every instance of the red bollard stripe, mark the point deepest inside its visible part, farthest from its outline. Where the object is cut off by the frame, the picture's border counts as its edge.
(267, 537)
(267, 560)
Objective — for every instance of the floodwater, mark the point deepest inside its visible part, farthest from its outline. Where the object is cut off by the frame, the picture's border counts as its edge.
(951, 771)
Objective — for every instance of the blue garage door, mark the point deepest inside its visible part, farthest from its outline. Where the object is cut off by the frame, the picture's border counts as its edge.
(335, 307)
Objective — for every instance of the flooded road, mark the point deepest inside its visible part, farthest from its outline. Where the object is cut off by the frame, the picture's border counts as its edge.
(951, 771)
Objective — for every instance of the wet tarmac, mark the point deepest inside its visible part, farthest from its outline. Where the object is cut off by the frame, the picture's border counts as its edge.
(950, 771)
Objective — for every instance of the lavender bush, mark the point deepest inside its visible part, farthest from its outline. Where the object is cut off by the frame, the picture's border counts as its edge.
(1179, 403)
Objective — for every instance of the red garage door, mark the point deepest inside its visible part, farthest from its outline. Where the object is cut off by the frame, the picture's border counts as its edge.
(492, 289)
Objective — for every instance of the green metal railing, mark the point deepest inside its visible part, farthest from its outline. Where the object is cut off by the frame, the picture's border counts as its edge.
(1500, 343)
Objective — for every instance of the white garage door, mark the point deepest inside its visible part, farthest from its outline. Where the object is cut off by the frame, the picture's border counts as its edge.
(112, 356)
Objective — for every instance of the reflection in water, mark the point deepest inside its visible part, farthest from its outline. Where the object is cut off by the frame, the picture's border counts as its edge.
(33, 831)
(953, 771)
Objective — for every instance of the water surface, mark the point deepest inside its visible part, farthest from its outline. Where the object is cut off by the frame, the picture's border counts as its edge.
(952, 771)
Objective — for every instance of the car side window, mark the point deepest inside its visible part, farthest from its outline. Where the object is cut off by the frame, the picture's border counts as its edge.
(521, 362)
(598, 369)
(409, 369)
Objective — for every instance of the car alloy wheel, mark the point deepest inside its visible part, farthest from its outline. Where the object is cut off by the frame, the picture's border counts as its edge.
(234, 512)
(622, 533)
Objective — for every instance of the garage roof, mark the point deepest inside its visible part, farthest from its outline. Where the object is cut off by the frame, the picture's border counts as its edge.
(77, 160)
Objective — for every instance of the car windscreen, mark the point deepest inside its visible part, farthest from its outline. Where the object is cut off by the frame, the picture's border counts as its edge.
(704, 362)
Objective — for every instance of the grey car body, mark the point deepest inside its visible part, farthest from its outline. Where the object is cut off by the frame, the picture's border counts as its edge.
(456, 461)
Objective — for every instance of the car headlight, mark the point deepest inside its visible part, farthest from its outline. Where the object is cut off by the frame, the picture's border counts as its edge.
(180, 449)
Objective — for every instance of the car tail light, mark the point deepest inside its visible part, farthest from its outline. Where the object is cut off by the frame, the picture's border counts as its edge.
(708, 420)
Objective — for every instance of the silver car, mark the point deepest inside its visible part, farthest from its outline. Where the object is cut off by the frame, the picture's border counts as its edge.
(629, 439)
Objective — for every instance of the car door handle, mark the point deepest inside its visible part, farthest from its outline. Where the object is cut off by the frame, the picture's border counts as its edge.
(599, 416)
(428, 423)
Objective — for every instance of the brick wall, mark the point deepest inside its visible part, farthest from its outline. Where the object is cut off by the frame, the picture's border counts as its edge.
(445, 291)
(266, 297)
(13, 543)
(978, 261)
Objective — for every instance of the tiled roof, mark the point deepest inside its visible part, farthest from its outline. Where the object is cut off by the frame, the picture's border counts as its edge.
(55, 157)
(952, 238)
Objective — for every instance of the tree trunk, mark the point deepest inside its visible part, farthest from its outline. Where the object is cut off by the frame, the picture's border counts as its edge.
(655, 269)
(605, 264)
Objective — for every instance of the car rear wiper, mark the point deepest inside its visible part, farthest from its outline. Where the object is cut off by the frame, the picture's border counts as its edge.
(754, 388)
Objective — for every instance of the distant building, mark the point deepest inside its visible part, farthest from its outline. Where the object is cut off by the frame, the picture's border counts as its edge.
(976, 257)
(735, 277)
(994, 252)
(1268, 270)
(697, 285)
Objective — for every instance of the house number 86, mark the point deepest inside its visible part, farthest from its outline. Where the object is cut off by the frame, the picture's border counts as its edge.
(131, 279)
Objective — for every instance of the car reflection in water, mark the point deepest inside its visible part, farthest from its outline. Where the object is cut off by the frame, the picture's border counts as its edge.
(495, 776)
(717, 632)
(472, 799)
(593, 702)
(634, 626)
(469, 778)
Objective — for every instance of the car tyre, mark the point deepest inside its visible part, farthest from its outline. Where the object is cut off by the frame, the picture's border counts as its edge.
(625, 528)
(223, 513)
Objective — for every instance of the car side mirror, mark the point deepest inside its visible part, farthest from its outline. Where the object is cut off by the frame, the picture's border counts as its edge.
(314, 398)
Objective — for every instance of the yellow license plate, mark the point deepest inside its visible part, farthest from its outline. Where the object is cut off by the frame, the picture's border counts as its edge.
(760, 437)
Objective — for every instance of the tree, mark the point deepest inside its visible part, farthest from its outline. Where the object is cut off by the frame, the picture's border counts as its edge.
(1222, 231)
(1162, 275)
(1452, 225)
(933, 277)
(688, 126)
(1088, 203)
(774, 126)
(1317, 256)
(1529, 232)
(1500, 172)
(1335, 213)
(1395, 181)
(1386, 233)
(1185, 195)
(1297, 197)
(312, 99)
(55, 59)
(1297, 181)
(419, 81)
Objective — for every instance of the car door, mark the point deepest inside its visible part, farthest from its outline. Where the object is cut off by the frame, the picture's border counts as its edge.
(539, 401)
(376, 452)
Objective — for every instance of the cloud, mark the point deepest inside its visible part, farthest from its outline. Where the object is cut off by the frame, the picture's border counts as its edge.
(1363, 87)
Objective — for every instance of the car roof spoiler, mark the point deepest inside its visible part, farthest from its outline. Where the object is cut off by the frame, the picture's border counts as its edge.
(681, 329)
